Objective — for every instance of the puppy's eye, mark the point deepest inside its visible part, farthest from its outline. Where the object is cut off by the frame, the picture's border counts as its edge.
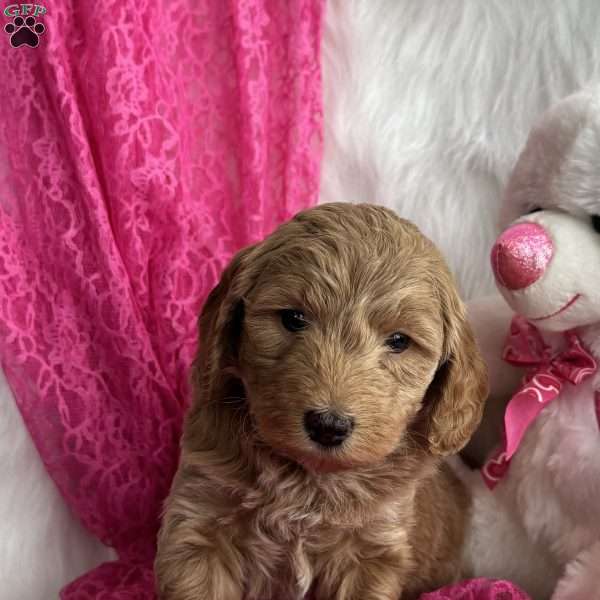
(398, 342)
(596, 223)
(534, 210)
(293, 320)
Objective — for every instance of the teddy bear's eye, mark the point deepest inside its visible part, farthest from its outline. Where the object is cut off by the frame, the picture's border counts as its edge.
(596, 223)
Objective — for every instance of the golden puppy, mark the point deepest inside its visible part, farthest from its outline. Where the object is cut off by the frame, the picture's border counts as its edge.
(335, 370)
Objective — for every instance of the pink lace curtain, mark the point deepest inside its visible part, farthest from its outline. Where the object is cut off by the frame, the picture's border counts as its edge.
(141, 144)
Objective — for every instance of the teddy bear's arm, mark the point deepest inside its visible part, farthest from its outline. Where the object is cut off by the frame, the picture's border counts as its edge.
(582, 577)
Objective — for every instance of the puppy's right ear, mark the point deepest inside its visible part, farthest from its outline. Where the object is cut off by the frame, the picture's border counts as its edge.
(220, 325)
(460, 387)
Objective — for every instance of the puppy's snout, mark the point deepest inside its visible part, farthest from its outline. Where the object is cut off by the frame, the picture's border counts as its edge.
(327, 429)
(521, 254)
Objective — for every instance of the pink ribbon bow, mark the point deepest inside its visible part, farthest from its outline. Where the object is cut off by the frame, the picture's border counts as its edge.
(543, 382)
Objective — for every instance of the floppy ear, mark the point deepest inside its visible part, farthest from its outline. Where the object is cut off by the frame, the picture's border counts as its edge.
(211, 421)
(457, 395)
(220, 327)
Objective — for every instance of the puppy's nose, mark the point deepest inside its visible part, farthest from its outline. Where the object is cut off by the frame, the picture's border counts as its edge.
(326, 428)
(521, 254)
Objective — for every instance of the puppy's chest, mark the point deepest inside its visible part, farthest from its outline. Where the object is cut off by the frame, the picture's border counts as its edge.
(282, 520)
(287, 538)
(281, 542)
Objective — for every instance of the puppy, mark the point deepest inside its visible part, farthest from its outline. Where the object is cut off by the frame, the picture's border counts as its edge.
(335, 369)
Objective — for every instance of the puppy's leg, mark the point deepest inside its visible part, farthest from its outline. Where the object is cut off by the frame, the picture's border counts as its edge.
(581, 580)
(197, 572)
(378, 577)
(196, 559)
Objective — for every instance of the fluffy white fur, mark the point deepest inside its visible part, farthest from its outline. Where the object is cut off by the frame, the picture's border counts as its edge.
(550, 492)
(427, 104)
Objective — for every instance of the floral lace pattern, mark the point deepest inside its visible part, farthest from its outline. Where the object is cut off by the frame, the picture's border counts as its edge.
(142, 143)
(478, 589)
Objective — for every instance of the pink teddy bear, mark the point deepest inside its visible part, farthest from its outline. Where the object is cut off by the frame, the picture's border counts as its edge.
(536, 511)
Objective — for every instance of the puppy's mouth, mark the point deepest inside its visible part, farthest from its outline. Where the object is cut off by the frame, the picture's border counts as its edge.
(323, 463)
(317, 460)
(559, 311)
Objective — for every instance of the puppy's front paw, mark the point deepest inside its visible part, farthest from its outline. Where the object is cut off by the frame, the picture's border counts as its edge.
(198, 577)
(379, 578)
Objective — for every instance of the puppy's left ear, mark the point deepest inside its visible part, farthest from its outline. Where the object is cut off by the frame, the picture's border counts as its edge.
(457, 395)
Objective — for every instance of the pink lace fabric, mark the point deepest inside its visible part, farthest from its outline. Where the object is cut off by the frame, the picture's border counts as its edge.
(478, 589)
(141, 144)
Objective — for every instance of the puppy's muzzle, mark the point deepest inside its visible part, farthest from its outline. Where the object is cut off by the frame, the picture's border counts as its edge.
(327, 429)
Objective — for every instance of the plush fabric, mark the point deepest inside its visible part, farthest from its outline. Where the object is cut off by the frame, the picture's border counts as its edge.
(146, 144)
(550, 490)
(478, 589)
(428, 104)
(426, 107)
(547, 373)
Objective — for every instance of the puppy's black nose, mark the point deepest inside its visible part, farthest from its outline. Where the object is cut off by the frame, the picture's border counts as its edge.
(326, 428)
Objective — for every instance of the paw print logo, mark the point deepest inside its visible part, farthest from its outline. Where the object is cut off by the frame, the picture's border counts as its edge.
(24, 32)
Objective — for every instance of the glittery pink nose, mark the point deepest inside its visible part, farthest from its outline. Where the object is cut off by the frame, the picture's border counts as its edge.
(520, 255)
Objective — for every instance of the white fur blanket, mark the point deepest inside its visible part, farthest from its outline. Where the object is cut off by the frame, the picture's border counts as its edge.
(427, 104)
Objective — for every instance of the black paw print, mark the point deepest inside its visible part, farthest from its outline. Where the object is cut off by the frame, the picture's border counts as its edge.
(24, 31)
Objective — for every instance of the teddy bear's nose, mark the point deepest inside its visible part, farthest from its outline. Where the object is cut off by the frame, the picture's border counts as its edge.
(521, 254)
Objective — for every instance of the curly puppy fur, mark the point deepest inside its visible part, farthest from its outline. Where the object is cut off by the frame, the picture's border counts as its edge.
(257, 509)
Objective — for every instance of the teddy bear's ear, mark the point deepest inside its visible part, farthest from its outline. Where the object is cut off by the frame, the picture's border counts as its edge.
(559, 164)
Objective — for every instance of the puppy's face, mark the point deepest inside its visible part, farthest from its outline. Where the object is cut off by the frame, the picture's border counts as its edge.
(347, 315)
(339, 347)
